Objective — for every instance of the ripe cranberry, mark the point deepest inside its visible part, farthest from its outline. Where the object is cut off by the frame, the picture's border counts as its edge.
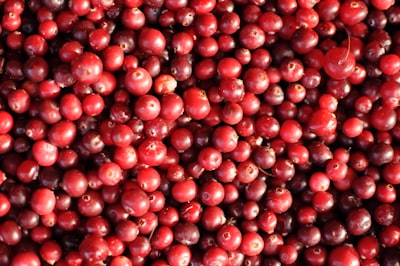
(10, 232)
(352, 127)
(368, 247)
(7, 122)
(199, 124)
(252, 244)
(90, 204)
(212, 193)
(215, 255)
(291, 70)
(229, 23)
(383, 118)
(185, 190)
(152, 152)
(339, 63)
(26, 257)
(135, 202)
(346, 254)
(179, 255)
(151, 41)
(93, 253)
(279, 200)
(43, 201)
(288, 254)
(74, 183)
(290, 131)
(202, 7)
(162, 238)
(196, 103)
(50, 251)
(5, 205)
(110, 174)
(322, 123)
(138, 81)
(316, 255)
(87, 68)
(358, 221)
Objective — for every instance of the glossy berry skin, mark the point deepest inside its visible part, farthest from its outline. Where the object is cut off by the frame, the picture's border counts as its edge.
(339, 63)
(344, 255)
(74, 182)
(358, 221)
(382, 118)
(199, 132)
(151, 41)
(322, 123)
(110, 174)
(212, 193)
(288, 254)
(135, 202)
(152, 152)
(279, 200)
(368, 247)
(93, 253)
(251, 36)
(113, 57)
(390, 173)
(209, 158)
(184, 191)
(50, 251)
(44, 153)
(352, 127)
(196, 103)
(19, 101)
(252, 244)
(389, 64)
(5, 205)
(64, 128)
(43, 201)
(215, 255)
(290, 131)
(291, 70)
(26, 258)
(87, 68)
(229, 237)
(179, 255)
(138, 81)
(7, 122)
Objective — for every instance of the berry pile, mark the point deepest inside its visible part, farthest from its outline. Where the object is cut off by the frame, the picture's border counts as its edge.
(199, 132)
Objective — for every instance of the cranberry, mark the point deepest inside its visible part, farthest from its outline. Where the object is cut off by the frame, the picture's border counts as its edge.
(252, 244)
(344, 254)
(110, 174)
(151, 41)
(43, 201)
(339, 63)
(196, 103)
(279, 200)
(87, 68)
(135, 202)
(162, 238)
(215, 255)
(382, 118)
(26, 257)
(291, 69)
(7, 122)
(261, 132)
(93, 253)
(138, 81)
(152, 152)
(5, 205)
(50, 251)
